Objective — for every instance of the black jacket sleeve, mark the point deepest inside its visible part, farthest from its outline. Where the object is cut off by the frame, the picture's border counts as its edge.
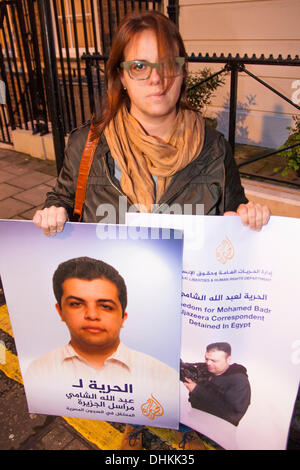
(234, 194)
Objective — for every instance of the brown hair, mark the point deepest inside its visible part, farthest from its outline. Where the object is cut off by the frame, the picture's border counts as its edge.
(168, 37)
(88, 269)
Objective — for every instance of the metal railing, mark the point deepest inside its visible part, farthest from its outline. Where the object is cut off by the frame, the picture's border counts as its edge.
(235, 65)
(71, 69)
(4, 126)
(20, 67)
(74, 27)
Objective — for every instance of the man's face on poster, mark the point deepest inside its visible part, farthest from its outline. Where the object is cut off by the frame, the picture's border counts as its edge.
(92, 312)
(217, 361)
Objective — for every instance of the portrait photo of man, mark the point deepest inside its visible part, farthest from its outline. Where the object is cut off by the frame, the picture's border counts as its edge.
(216, 386)
(91, 299)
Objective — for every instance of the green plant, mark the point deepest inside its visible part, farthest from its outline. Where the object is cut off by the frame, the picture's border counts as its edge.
(292, 155)
(200, 96)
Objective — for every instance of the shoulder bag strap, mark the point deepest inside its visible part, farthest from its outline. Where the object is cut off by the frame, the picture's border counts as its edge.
(84, 170)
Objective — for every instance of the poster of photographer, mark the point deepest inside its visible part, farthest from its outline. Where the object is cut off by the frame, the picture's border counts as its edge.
(90, 309)
(240, 354)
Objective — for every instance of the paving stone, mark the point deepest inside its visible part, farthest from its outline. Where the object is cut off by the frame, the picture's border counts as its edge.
(19, 217)
(11, 207)
(16, 158)
(6, 386)
(5, 175)
(34, 196)
(7, 190)
(16, 423)
(17, 168)
(49, 171)
(3, 163)
(2, 154)
(51, 183)
(21, 162)
(44, 166)
(12, 156)
(22, 430)
(76, 445)
(28, 215)
(57, 438)
(29, 180)
(32, 164)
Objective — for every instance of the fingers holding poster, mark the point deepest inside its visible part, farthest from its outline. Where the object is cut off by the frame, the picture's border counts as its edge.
(80, 317)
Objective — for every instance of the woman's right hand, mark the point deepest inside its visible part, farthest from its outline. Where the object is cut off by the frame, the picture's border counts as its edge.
(51, 220)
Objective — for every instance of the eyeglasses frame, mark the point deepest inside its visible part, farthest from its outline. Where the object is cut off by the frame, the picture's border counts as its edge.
(153, 65)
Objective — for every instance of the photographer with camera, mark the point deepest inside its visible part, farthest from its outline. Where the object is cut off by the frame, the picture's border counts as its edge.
(216, 386)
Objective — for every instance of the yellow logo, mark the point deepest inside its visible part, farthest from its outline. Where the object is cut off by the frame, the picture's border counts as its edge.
(152, 408)
(225, 251)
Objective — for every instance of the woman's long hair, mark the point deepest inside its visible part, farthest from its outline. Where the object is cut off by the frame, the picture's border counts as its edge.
(169, 43)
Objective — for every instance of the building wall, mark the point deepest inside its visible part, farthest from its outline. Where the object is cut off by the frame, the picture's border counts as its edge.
(249, 27)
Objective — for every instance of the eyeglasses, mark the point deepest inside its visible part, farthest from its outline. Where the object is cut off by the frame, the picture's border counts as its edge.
(142, 69)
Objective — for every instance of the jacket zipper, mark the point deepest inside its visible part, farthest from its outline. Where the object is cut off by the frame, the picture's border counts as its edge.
(168, 201)
(123, 194)
(111, 182)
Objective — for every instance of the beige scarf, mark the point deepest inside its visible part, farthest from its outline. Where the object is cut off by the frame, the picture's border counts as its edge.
(140, 155)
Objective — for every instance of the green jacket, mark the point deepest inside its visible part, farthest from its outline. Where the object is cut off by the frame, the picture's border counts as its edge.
(212, 180)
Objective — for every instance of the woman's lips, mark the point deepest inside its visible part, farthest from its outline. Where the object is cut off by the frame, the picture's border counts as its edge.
(159, 94)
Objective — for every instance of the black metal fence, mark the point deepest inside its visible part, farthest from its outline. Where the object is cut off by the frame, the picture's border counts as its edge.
(232, 65)
(76, 37)
(4, 126)
(95, 55)
(20, 69)
(75, 27)
(236, 65)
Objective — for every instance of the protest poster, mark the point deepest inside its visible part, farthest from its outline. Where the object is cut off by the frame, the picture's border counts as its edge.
(239, 299)
(81, 378)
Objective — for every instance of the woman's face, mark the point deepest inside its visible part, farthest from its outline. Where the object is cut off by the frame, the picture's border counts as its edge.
(148, 100)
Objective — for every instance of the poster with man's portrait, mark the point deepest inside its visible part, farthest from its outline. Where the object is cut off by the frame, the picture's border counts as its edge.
(96, 320)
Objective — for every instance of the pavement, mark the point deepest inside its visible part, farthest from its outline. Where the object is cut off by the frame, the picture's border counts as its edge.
(24, 182)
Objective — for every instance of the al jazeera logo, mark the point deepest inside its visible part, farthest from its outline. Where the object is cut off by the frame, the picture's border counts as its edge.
(152, 408)
(225, 251)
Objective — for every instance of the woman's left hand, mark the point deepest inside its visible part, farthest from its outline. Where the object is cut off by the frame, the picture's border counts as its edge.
(253, 214)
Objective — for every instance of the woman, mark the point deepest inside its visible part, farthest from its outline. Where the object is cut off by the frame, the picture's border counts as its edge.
(153, 147)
